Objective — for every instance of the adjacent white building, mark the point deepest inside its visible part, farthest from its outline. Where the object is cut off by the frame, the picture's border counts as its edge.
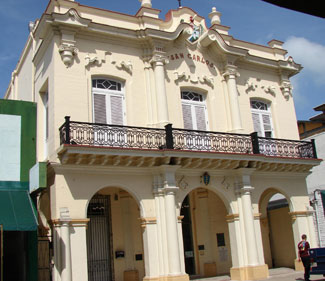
(314, 128)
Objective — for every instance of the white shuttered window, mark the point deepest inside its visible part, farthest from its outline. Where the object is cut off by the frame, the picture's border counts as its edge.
(194, 111)
(262, 118)
(108, 102)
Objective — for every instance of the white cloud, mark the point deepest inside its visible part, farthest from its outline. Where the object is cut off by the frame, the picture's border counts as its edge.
(310, 55)
(4, 58)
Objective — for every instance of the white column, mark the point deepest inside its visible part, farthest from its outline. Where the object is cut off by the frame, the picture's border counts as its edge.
(303, 224)
(249, 226)
(258, 237)
(172, 234)
(180, 239)
(151, 106)
(64, 221)
(246, 213)
(57, 252)
(127, 231)
(227, 104)
(165, 190)
(230, 76)
(66, 271)
(205, 224)
(158, 62)
(150, 248)
(235, 241)
(78, 240)
(162, 235)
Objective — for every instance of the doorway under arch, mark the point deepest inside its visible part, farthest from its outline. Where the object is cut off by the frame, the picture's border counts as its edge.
(205, 234)
(114, 237)
(276, 229)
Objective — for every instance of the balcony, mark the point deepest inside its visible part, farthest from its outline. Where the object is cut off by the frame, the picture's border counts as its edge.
(112, 145)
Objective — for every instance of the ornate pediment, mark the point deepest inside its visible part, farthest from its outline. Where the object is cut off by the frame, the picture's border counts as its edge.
(71, 17)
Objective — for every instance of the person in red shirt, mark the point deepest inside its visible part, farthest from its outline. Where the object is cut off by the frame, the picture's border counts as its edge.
(303, 253)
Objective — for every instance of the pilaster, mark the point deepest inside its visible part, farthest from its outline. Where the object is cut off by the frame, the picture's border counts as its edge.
(253, 267)
(70, 247)
(165, 190)
(127, 230)
(158, 61)
(203, 205)
(230, 75)
(302, 223)
(151, 248)
(66, 270)
(152, 106)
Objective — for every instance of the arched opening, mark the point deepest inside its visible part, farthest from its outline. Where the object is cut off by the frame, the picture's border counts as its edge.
(205, 234)
(114, 237)
(276, 229)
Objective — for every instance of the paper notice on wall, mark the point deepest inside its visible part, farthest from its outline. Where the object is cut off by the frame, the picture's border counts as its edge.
(223, 254)
(189, 254)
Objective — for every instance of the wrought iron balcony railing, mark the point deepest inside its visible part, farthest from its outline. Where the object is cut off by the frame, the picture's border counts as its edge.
(92, 134)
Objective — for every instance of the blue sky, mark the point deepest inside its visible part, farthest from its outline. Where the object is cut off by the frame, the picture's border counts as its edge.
(250, 20)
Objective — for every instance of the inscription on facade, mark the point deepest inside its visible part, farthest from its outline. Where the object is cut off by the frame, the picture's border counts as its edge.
(188, 56)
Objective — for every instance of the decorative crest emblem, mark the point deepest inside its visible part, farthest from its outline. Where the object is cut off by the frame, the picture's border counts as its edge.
(197, 31)
(206, 178)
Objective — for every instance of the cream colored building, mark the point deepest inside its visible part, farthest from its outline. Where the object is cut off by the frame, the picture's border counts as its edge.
(128, 195)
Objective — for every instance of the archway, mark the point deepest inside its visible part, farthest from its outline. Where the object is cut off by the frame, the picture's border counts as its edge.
(114, 237)
(205, 234)
(276, 229)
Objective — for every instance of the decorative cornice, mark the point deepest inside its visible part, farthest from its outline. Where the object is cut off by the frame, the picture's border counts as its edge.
(231, 71)
(232, 217)
(159, 59)
(180, 218)
(212, 36)
(71, 222)
(296, 214)
(257, 216)
(148, 220)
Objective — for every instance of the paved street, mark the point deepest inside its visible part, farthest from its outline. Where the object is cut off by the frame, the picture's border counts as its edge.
(277, 274)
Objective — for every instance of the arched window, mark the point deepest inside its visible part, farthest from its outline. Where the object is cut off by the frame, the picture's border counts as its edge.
(194, 111)
(108, 101)
(262, 118)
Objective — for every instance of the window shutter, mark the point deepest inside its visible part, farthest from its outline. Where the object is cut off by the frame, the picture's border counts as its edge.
(116, 110)
(266, 122)
(100, 109)
(187, 116)
(257, 124)
(200, 118)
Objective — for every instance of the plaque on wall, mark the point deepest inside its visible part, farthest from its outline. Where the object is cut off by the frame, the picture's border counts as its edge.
(189, 254)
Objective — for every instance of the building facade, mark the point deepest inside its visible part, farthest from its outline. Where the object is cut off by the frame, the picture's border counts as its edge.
(314, 128)
(18, 217)
(146, 126)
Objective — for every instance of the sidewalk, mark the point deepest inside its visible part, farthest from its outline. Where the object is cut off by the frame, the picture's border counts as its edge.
(276, 274)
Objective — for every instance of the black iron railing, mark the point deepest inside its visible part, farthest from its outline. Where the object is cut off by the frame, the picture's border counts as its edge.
(92, 134)
(287, 148)
(212, 141)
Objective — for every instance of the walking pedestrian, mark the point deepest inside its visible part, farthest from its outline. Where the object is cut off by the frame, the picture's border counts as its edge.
(303, 253)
